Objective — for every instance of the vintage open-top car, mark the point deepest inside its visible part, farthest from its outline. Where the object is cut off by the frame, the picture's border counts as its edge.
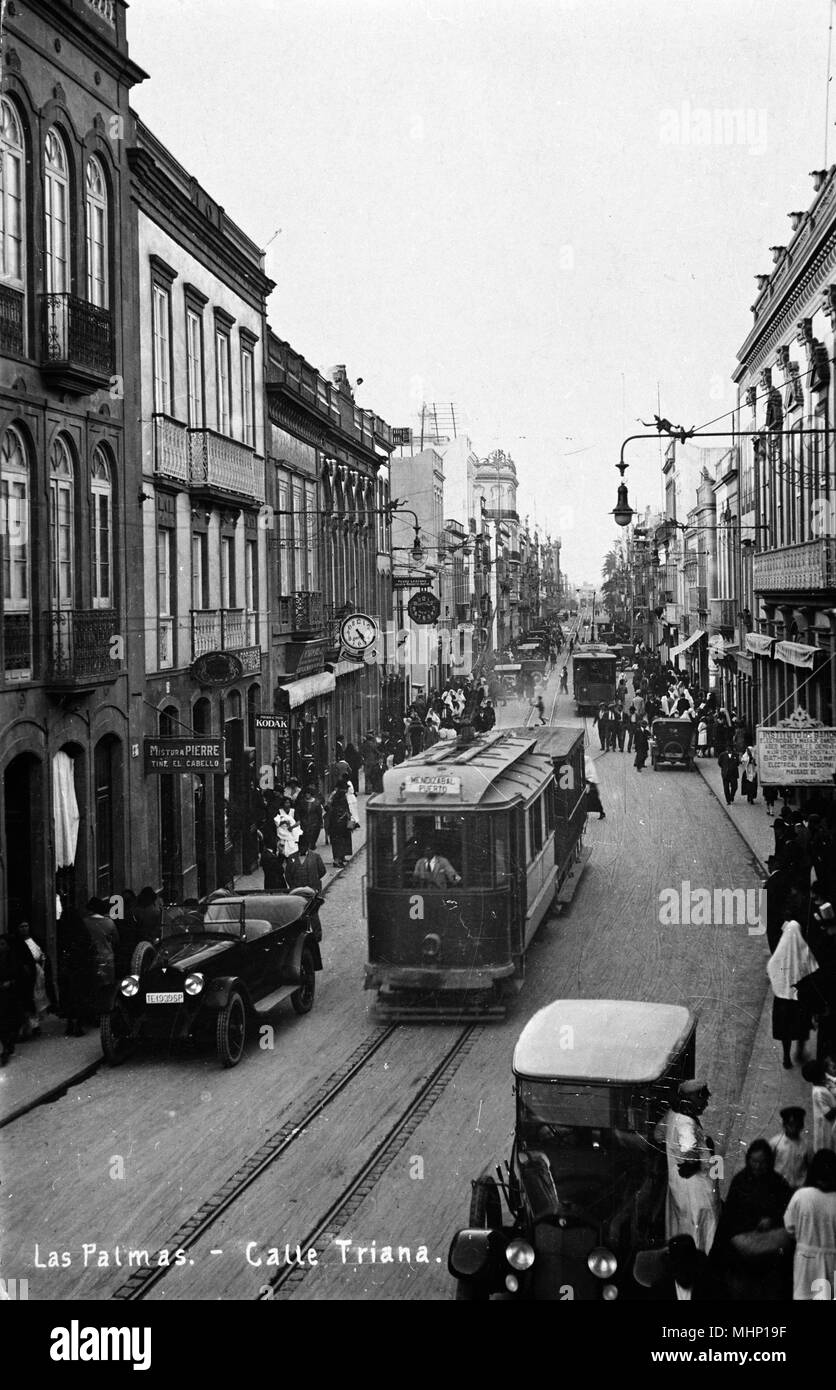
(586, 1184)
(673, 741)
(213, 970)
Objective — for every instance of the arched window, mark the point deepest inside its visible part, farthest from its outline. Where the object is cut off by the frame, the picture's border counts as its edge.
(56, 213)
(61, 529)
(14, 522)
(11, 197)
(95, 207)
(102, 508)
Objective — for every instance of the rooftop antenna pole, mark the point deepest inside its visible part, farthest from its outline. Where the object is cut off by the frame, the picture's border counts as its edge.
(827, 88)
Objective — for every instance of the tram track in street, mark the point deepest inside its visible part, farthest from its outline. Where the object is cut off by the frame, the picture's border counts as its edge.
(143, 1280)
(327, 1229)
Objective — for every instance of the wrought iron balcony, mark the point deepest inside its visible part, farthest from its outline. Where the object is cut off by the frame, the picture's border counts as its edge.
(722, 614)
(17, 646)
(218, 630)
(794, 568)
(307, 613)
(11, 321)
(172, 457)
(225, 465)
(80, 647)
(77, 343)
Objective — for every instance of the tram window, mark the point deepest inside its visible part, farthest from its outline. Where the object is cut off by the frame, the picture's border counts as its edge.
(386, 870)
(550, 808)
(480, 855)
(535, 826)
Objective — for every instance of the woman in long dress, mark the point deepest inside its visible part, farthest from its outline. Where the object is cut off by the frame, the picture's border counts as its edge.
(811, 1219)
(338, 826)
(791, 960)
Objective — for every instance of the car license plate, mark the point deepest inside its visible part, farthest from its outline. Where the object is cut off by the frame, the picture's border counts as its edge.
(164, 997)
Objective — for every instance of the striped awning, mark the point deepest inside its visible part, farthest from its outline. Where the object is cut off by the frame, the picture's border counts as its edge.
(689, 642)
(299, 692)
(759, 644)
(796, 654)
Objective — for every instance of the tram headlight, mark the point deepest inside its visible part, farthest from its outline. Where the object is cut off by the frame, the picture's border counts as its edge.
(602, 1263)
(130, 986)
(193, 984)
(519, 1254)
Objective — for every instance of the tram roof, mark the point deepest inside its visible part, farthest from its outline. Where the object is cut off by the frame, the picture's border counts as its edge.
(611, 1040)
(495, 770)
(554, 740)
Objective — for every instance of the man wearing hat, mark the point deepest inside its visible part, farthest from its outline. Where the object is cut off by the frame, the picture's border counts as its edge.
(792, 1153)
(693, 1207)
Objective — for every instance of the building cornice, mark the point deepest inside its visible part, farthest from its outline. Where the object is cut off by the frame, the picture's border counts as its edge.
(288, 411)
(84, 31)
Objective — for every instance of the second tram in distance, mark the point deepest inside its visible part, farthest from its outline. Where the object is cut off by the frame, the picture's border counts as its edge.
(471, 844)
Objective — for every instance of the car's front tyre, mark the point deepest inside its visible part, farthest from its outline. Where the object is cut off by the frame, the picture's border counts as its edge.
(231, 1031)
(116, 1036)
(302, 999)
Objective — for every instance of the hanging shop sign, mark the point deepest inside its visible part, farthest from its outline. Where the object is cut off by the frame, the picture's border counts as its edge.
(424, 608)
(405, 581)
(272, 721)
(184, 755)
(250, 659)
(796, 757)
(217, 668)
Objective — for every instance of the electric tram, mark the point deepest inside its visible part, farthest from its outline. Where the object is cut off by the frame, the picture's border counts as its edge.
(471, 845)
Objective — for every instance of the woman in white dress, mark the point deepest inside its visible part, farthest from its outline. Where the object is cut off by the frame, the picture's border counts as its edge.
(702, 739)
(693, 1207)
(811, 1219)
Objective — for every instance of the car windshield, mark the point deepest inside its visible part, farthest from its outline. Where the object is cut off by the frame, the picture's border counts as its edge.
(219, 919)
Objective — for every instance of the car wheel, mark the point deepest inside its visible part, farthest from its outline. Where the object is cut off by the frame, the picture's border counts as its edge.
(116, 1036)
(143, 955)
(231, 1031)
(302, 998)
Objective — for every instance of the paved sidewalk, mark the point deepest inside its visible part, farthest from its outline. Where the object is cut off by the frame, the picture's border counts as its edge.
(49, 1065)
(767, 1086)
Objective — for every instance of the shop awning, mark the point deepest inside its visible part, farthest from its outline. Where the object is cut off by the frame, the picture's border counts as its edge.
(299, 692)
(65, 810)
(346, 668)
(796, 654)
(689, 642)
(758, 644)
(741, 660)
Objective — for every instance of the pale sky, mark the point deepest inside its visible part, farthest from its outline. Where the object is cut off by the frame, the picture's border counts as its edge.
(502, 203)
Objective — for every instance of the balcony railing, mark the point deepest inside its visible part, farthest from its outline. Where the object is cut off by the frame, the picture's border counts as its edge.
(105, 8)
(808, 566)
(11, 321)
(171, 449)
(17, 646)
(219, 462)
(218, 630)
(77, 343)
(307, 612)
(698, 599)
(165, 644)
(722, 613)
(80, 646)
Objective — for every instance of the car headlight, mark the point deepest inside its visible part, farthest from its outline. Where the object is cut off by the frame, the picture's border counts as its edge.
(519, 1254)
(512, 1283)
(193, 983)
(609, 1293)
(602, 1263)
(130, 986)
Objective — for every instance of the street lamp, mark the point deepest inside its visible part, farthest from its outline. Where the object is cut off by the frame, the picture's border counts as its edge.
(622, 510)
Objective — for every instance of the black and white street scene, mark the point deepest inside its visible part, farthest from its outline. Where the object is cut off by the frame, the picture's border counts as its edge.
(418, 655)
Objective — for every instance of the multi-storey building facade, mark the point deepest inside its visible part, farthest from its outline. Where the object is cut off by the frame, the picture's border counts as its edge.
(69, 660)
(418, 480)
(329, 548)
(201, 292)
(785, 384)
(495, 487)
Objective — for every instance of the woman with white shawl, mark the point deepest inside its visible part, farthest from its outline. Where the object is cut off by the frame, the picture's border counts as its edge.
(791, 960)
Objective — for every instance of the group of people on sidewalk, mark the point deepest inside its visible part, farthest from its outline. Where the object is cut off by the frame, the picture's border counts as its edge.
(774, 1236)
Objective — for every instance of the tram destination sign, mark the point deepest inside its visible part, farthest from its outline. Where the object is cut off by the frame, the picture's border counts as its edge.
(796, 757)
(184, 755)
(433, 784)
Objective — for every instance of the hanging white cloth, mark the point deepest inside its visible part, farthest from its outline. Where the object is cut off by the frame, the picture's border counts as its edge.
(791, 960)
(65, 810)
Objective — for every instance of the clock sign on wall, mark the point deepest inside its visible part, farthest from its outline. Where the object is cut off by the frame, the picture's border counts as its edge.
(358, 632)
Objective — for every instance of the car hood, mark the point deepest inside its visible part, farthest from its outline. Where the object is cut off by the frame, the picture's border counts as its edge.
(191, 955)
